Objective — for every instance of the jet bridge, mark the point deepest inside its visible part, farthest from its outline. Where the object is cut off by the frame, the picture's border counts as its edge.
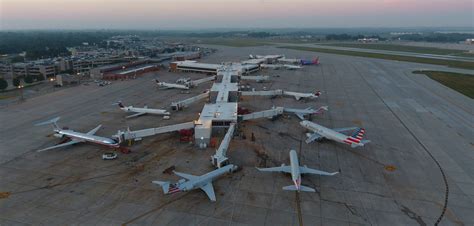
(203, 80)
(262, 114)
(277, 92)
(256, 78)
(220, 159)
(139, 134)
(179, 105)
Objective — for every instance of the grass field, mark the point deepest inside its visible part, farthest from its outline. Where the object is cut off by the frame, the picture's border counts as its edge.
(402, 48)
(463, 83)
(449, 63)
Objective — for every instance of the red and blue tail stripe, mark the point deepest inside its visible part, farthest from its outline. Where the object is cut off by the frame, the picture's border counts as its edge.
(356, 137)
(172, 190)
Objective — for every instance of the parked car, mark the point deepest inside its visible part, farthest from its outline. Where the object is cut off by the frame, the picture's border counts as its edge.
(109, 156)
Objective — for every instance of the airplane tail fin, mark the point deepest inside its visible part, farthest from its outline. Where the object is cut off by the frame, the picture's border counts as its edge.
(302, 188)
(357, 138)
(358, 134)
(51, 121)
(165, 185)
(316, 60)
(317, 93)
(119, 103)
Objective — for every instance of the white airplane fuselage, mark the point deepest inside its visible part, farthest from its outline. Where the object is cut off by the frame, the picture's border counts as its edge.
(295, 169)
(204, 179)
(330, 134)
(145, 110)
(86, 137)
(291, 67)
(300, 95)
(171, 85)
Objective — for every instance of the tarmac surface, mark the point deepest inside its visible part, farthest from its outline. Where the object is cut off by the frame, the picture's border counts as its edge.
(418, 169)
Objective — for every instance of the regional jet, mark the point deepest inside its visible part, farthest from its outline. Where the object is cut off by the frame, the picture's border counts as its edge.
(301, 113)
(291, 67)
(77, 137)
(321, 132)
(289, 61)
(166, 85)
(141, 111)
(298, 96)
(296, 170)
(191, 182)
(271, 66)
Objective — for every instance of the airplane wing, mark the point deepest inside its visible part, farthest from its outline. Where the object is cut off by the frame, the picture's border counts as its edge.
(304, 169)
(136, 115)
(341, 130)
(313, 137)
(186, 176)
(285, 169)
(61, 145)
(209, 189)
(300, 115)
(93, 131)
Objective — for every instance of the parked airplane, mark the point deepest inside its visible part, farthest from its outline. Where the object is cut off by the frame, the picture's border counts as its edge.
(298, 96)
(289, 61)
(77, 137)
(271, 66)
(261, 56)
(296, 170)
(301, 113)
(166, 85)
(315, 61)
(320, 132)
(254, 57)
(291, 67)
(141, 111)
(191, 182)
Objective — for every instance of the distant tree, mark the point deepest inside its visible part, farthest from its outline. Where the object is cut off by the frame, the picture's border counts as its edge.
(17, 59)
(16, 81)
(3, 84)
(259, 34)
(39, 77)
(28, 79)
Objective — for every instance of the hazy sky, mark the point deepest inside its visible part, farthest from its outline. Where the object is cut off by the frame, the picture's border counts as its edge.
(184, 14)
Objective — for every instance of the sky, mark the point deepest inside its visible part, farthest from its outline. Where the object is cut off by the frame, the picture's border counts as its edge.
(205, 14)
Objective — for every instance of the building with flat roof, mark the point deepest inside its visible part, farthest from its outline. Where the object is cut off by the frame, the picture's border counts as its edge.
(130, 72)
(194, 66)
(222, 109)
